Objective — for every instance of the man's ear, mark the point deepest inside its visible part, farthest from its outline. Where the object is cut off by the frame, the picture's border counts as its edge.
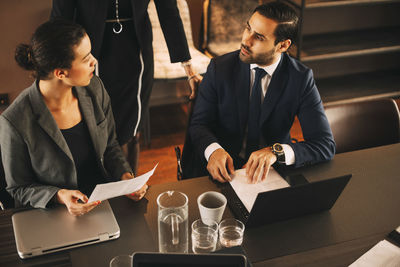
(284, 45)
(60, 73)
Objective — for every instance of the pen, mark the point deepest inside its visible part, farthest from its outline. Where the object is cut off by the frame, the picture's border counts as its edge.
(178, 158)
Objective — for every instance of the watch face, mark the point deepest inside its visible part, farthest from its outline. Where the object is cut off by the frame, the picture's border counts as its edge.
(278, 148)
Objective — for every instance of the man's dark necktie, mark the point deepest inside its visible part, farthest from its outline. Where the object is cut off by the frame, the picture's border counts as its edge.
(253, 127)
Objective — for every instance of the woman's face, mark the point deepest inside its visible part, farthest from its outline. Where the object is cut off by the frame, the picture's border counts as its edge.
(82, 67)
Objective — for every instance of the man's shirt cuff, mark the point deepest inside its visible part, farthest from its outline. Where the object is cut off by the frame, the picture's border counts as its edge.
(210, 149)
(289, 154)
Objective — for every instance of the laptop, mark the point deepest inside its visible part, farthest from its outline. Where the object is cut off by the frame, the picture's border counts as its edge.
(154, 259)
(43, 231)
(301, 198)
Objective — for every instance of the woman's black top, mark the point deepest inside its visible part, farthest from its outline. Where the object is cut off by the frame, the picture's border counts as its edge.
(81, 146)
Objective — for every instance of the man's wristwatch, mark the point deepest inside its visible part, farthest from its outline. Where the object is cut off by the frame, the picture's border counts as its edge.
(277, 149)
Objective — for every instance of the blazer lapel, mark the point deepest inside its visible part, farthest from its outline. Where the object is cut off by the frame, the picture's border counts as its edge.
(275, 89)
(86, 106)
(46, 120)
(242, 89)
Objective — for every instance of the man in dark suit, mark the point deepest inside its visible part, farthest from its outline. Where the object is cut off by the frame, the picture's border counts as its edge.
(249, 99)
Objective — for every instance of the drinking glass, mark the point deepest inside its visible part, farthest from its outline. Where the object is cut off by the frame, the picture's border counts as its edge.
(231, 232)
(204, 236)
(121, 261)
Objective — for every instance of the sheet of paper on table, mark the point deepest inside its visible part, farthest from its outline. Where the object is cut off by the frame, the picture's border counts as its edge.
(248, 192)
(382, 254)
(115, 189)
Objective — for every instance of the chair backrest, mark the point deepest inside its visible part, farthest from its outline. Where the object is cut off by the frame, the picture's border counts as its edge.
(364, 124)
(224, 23)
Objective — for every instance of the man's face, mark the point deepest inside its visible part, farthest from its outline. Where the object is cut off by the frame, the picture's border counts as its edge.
(258, 41)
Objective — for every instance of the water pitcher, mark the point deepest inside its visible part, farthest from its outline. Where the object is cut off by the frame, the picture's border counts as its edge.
(172, 222)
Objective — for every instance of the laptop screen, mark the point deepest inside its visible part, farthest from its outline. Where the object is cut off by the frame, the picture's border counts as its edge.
(300, 199)
(149, 259)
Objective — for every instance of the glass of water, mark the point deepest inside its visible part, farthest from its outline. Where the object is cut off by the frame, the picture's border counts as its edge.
(121, 261)
(231, 232)
(204, 236)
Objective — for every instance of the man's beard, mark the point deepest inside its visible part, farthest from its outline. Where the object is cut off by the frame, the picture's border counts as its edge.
(265, 59)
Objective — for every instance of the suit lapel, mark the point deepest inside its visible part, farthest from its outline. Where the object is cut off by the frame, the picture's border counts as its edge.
(46, 120)
(242, 89)
(86, 106)
(275, 89)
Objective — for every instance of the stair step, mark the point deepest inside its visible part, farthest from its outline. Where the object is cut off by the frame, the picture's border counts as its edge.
(336, 16)
(362, 86)
(355, 64)
(341, 3)
(345, 44)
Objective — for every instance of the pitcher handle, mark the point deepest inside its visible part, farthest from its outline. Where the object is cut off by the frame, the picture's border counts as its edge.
(175, 229)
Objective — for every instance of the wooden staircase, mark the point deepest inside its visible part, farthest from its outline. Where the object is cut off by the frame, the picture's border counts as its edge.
(352, 46)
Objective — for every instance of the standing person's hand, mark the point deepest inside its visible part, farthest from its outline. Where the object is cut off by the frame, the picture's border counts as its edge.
(138, 195)
(220, 165)
(257, 167)
(194, 82)
(70, 198)
(194, 79)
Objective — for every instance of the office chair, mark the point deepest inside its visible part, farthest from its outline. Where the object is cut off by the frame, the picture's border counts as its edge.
(364, 124)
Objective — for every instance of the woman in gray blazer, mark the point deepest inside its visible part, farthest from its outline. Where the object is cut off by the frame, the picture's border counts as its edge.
(58, 137)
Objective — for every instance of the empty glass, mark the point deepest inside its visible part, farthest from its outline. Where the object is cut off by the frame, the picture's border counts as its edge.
(231, 232)
(204, 236)
(121, 261)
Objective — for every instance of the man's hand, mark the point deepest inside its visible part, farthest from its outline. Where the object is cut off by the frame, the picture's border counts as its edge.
(258, 165)
(219, 163)
(194, 85)
(138, 195)
(70, 199)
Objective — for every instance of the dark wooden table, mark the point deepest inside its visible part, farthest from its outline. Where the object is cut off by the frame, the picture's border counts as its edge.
(366, 211)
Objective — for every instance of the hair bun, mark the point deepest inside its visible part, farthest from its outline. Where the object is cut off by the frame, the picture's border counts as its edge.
(23, 56)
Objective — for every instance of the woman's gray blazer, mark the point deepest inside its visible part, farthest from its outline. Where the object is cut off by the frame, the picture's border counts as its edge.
(37, 160)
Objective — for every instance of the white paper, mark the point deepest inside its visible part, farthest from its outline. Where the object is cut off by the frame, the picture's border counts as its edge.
(115, 189)
(248, 192)
(383, 254)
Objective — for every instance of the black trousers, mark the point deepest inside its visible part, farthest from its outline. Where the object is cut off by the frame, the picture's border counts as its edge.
(127, 73)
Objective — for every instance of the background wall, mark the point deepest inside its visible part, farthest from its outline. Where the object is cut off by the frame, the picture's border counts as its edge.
(18, 20)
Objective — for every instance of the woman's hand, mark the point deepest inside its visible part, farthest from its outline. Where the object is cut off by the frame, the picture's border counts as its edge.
(70, 198)
(138, 195)
(194, 82)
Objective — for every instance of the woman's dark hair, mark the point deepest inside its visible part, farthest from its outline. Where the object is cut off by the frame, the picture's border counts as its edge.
(51, 47)
(286, 18)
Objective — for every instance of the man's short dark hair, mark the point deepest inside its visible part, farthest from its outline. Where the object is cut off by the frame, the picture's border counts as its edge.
(286, 18)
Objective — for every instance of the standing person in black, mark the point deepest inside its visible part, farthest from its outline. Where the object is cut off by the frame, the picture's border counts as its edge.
(121, 34)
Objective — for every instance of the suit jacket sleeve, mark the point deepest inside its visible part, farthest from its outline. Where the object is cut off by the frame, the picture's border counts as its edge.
(114, 160)
(20, 178)
(63, 8)
(318, 144)
(204, 118)
(173, 30)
